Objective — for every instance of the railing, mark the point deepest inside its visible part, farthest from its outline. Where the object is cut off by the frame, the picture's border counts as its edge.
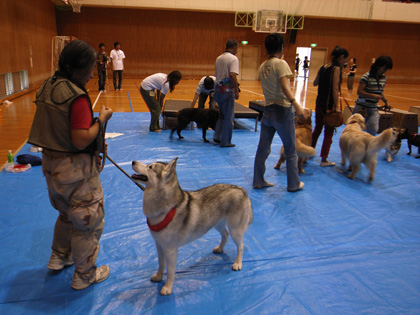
(13, 82)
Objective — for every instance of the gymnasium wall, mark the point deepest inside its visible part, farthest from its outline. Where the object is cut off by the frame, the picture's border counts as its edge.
(27, 28)
(378, 10)
(164, 40)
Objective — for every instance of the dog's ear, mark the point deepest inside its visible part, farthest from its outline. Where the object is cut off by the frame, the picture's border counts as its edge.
(170, 167)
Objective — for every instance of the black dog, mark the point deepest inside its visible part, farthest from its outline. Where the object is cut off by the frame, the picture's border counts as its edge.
(204, 118)
(412, 139)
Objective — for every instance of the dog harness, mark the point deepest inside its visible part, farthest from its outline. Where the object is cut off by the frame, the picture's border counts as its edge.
(160, 226)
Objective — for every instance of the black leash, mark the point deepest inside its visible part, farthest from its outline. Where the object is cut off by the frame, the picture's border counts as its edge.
(102, 144)
(139, 185)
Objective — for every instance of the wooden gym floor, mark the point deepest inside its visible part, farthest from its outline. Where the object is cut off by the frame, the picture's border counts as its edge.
(16, 118)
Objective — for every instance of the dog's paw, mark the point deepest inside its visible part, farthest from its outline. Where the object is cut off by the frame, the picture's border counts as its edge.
(206, 141)
(217, 250)
(302, 171)
(156, 277)
(389, 159)
(236, 266)
(277, 166)
(166, 290)
(351, 176)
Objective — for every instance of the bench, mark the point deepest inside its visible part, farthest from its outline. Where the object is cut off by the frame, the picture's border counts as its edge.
(258, 106)
(416, 109)
(172, 107)
(405, 119)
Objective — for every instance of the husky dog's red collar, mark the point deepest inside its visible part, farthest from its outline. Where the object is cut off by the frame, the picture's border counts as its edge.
(160, 226)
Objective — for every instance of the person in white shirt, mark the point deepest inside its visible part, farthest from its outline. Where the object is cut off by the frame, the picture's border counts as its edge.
(226, 91)
(117, 57)
(153, 89)
(205, 89)
(279, 114)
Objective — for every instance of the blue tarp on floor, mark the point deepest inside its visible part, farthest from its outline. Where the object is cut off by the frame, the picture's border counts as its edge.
(336, 247)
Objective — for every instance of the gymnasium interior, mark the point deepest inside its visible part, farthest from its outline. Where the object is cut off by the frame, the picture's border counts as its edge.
(339, 246)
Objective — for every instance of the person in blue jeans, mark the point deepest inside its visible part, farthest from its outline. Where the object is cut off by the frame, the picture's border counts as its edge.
(226, 92)
(371, 91)
(279, 114)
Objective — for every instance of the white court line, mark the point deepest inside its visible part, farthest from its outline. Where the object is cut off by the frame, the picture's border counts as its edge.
(405, 98)
(252, 92)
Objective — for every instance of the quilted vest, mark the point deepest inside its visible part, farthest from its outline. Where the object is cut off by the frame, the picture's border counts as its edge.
(51, 124)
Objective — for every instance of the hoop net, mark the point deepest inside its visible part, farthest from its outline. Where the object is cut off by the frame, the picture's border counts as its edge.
(76, 5)
(272, 29)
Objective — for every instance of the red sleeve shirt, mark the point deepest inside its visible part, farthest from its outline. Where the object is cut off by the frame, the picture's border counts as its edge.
(80, 114)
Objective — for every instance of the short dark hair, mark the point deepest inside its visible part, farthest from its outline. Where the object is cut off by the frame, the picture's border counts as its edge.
(274, 43)
(337, 52)
(208, 83)
(173, 78)
(101, 44)
(231, 43)
(116, 43)
(77, 56)
(380, 62)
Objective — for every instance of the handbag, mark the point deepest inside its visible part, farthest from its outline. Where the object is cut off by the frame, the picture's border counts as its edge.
(333, 119)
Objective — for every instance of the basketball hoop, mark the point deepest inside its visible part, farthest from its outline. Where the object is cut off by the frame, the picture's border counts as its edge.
(76, 5)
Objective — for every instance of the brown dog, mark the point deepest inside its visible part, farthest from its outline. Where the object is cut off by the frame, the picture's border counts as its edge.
(360, 147)
(303, 142)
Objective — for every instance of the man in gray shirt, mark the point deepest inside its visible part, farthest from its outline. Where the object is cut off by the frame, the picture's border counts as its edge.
(226, 91)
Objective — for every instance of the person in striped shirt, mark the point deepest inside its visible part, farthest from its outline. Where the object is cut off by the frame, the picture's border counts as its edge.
(371, 91)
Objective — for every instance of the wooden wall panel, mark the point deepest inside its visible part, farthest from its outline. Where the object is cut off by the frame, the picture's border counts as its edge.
(366, 40)
(163, 40)
(158, 41)
(27, 24)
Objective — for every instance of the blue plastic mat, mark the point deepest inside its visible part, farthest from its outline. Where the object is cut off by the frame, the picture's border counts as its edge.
(336, 247)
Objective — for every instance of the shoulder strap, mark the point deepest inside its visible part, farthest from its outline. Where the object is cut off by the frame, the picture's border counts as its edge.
(329, 90)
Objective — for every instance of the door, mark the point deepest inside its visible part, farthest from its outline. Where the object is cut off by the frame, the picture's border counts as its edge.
(249, 62)
(318, 59)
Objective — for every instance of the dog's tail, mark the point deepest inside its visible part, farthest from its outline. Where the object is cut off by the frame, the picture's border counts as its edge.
(380, 141)
(304, 150)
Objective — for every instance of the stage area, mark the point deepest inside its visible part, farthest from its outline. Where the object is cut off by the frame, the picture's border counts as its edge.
(336, 247)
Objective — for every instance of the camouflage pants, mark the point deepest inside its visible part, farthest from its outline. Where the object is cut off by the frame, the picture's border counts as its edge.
(75, 190)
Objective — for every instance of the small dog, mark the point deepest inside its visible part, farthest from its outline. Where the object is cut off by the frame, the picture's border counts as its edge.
(361, 147)
(176, 217)
(394, 147)
(204, 118)
(412, 139)
(303, 142)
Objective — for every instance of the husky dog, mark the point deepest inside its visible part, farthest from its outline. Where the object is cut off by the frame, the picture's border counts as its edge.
(360, 147)
(394, 147)
(303, 142)
(176, 217)
(204, 118)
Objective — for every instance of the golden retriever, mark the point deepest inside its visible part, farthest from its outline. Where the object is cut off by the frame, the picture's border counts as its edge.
(360, 147)
(303, 142)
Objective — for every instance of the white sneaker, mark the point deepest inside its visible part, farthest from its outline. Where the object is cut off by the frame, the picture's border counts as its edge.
(102, 273)
(58, 262)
